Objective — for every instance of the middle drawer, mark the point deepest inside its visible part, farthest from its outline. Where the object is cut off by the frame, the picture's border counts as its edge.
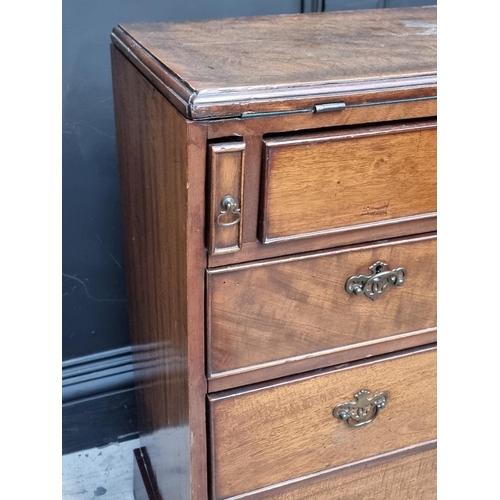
(295, 313)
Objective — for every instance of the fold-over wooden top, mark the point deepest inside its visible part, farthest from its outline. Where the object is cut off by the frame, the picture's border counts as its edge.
(221, 67)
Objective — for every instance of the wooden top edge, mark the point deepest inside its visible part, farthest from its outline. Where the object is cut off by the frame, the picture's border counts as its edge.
(308, 90)
(148, 63)
(224, 68)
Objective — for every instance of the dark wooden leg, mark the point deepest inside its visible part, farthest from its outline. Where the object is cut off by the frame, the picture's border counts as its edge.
(144, 484)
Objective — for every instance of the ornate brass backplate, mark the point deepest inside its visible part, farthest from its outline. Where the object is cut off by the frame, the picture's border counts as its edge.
(362, 411)
(376, 284)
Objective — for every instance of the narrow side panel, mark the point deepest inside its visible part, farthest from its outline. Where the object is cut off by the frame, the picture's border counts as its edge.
(161, 157)
(226, 203)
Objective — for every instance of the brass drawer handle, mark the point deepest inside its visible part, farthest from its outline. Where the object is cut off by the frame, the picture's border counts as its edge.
(363, 411)
(230, 208)
(375, 285)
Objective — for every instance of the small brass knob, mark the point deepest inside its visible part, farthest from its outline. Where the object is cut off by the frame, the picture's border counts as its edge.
(231, 210)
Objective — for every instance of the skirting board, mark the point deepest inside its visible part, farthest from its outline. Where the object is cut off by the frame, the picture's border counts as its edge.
(99, 405)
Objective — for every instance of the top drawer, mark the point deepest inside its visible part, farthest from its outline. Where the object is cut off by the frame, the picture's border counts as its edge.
(361, 177)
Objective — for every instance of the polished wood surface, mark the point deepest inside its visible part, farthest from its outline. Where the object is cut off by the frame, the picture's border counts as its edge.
(372, 232)
(408, 478)
(266, 312)
(222, 67)
(145, 487)
(226, 164)
(401, 107)
(271, 434)
(162, 179)
(363, 231)
(320, 359)
(244, 337)
(322, 182)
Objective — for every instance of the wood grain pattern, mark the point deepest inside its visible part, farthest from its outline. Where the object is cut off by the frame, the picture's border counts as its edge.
(318, 483)
(221, 67)
(408, 478)
(386, 231)
(267, 435)
(322, 182)
(307, 362)
(199, 106)
(227, 167)
(400, 107)
(162, 180)
(260, 314)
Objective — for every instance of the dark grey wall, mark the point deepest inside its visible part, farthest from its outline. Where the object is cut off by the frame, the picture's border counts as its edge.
(97, 385)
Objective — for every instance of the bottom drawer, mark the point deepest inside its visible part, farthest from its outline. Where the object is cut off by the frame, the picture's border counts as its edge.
(408, 478)
(286, 431)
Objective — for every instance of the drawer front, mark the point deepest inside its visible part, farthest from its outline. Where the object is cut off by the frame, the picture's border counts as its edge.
(273, 312)
(316, 184)
(226, 162)
(274, 434)
(408, 478)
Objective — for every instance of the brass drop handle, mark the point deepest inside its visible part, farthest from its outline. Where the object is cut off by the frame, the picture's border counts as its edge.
(230, 208)
(363, 411)
(376, 284)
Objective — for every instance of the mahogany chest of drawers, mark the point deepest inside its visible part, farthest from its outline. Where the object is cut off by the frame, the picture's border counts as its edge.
(278, 182)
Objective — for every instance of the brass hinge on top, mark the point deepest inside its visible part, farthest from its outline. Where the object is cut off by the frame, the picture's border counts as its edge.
(331, 107)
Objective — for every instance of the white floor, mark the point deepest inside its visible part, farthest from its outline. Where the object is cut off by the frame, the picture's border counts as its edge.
(103, 473)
